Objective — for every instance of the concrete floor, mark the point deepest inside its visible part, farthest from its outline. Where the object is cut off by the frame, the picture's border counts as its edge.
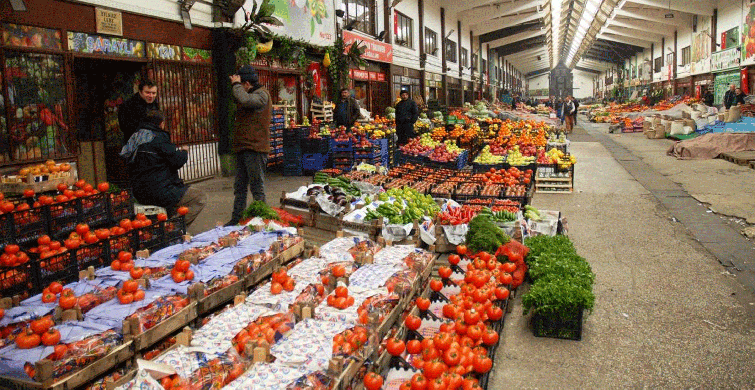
(667, 314)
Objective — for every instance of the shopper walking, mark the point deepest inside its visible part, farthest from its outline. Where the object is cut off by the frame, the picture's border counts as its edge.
(347, 110)
(406, 114)
(153, 162)
(569, 111)
(560, 110)
(251, 138)
(134, 110)
(576, 107)
(730, 96)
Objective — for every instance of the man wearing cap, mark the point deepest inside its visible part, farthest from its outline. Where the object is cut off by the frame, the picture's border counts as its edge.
(406, 114)
(251, 138)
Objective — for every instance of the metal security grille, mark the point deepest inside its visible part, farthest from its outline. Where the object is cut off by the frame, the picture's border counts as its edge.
(187, 96)
(34, 122)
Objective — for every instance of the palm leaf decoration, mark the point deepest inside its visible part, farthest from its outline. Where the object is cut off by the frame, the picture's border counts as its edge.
(256, 20)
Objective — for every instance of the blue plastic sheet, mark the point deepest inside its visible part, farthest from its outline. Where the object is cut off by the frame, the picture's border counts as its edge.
(24, 313)
(112, 313)
(745, 125)
(82, 287)
(214, 235)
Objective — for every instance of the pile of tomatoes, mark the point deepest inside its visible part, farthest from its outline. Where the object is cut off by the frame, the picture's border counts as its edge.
(130, 292)
(281, 281)
(350, 340)
(262, 330)
(460, 347)
(181, 271)
(13, 256)
(509, 177)
(124, 262)
(39, 331)
(340, 299)
(67, 299)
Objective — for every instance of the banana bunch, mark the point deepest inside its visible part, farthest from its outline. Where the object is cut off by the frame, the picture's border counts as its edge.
(318, 10)
(563, 160)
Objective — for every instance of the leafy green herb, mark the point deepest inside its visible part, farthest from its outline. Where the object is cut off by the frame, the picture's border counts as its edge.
(561, 265)
(484, 235)
(549, 244)
(558, 297)
(260, 209)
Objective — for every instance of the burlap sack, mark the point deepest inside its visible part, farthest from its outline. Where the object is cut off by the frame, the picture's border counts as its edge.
(735, 113)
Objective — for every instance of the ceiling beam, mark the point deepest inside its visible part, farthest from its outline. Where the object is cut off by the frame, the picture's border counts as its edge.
(530, 53)
(624, 46)
(642, 26)
(514, 38)
(534, 25)
(637, 42)
(623, 51)
(645, 36)
(521, 46)
(692, 7)
(537, 73)
(681, 20)
(505, 21)
(488, 12)
(456, 7)
(595, 71)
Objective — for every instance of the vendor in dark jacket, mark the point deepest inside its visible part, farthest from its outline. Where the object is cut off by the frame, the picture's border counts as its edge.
(133, 111)
(153, 162)
(407, 113)
(347, 110)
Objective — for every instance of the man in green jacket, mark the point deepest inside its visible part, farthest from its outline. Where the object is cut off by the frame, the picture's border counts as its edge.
(251, 138)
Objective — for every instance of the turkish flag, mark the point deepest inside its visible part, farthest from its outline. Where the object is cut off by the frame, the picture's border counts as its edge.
(745, 81)
(314, 69)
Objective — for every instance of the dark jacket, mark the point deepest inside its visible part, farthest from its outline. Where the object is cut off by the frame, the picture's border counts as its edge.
(154, 171)
(708, 99)
(347, 112)
(132, 112)
(739, 99)
(729, 99)
(253, 114)
(407, 111)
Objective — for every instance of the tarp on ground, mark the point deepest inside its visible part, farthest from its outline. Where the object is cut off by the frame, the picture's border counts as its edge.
(711, 145)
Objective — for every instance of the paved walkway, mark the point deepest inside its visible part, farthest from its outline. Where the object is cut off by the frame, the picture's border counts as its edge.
(667, 314)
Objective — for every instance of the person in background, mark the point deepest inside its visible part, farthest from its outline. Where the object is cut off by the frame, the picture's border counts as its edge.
(730, 96)
(347, 110)
(133, 111)
(251, 138)
(514, 101)
(560, 110)
(576, 106)
(406, 114)
(153, 162)
(569, 113)
(708, 98)
(739, 96)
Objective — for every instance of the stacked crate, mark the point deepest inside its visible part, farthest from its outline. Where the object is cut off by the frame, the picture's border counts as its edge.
(277, 124)
(292, 151)
(343, 154)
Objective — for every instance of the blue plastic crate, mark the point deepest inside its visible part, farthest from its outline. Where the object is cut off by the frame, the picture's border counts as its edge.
(341, 146)
(314, 161)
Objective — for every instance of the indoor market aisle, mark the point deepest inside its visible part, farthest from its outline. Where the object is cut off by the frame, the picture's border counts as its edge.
(667, 314)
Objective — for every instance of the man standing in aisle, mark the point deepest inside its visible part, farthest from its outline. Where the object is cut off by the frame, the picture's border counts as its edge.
(134, 110)
(576, 107)
(730, 96)
(406, 114)
(251, 138)
(347, 110)
(569, 112)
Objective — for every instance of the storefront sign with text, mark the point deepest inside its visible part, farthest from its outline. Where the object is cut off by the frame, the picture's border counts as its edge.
(357, 74)
(725, 59)
(163, 52)
(374, 50)
(97, 44)
(109, 22)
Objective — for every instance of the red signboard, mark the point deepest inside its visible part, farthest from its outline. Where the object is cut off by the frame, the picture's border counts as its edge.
(381, 77)
(373, 76)
(374, 50)
(357, 74)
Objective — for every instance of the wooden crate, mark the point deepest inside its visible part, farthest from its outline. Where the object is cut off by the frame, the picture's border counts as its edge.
(149, 337)
(40, 183)
(739, 158)
(79, 378)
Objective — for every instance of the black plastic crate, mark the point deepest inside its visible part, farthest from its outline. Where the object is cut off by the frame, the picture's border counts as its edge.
(94, 210)
(63, 218)
(120, 205)
(122, 242)
(555, 326)
(61, 268)
(148, 237)
(28, 225)
(173, 230)
(95, 255)
(6, 229)
(19, 280)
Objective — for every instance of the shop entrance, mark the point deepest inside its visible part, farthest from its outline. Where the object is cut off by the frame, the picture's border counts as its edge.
(101, 86)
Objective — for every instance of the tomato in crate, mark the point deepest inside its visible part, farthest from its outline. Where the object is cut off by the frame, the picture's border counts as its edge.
(64, 216)
(120, 205)
(173, 230)
(17, 280)
(6, 229)
(122, 242)
(60, 267)
(28, 224)
(94, 209)
(148, 236)
(95, 254)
